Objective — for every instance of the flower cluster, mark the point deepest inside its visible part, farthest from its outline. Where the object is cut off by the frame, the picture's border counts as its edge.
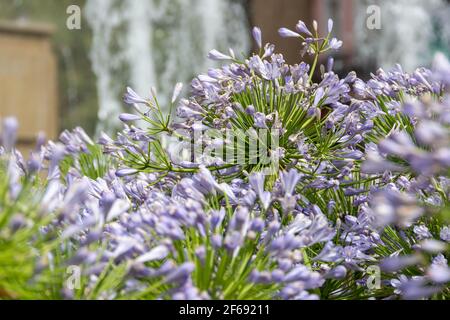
(358, 180)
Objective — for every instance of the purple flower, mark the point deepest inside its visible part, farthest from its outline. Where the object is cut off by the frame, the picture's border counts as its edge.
(267, 70)
(445, 234)
(216, 218)
(189, 292)
(320, 94)
(301, 27)
(216, 55)
(353, 256)
(83, 256)
(250, 110)
(176, 92)
(204, 182)
(439, 273)
(257, 181)
(180, 274)
(200, 253)
(9, 133)
(260, 277)
(257, 36)
(413, 289)
(268, 50)
(289, 181)
(217, 241)
(257, 225)
(287, 33)
(233, 241)
(131, 97)
(330, 253)
(126, 172)
(432, 246)
(338, 272)
(330, 25)
(189, 109)
(441, 68)
(335, 44)
(398, 263)
(157, 253)
(128, 117)
(260, 120)
(422, 232)
(18, 222)
(330, 64)
(393, 207)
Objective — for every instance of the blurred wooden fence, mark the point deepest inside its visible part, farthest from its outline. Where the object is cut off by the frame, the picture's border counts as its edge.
(270, 15)
(28, 80)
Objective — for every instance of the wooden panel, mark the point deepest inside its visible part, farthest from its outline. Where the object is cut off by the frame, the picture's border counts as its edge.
(270, 15)
(28, 80)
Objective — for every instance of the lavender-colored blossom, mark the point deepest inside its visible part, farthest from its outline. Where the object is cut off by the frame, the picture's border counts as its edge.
(375, 163)
(445, 234)
(352, 257)
(257, 181)
(398, 263)
(301, 27)
(216, 55)
(335, 44)
(127, 117)
(338, 204)
(422, 232)
(125, 172)
(337, 273)
(131, 97)
(432, 246)
(439, 273)
(395, 208)
(157, 253)
(330, 253)
(287, 33)
(330, 64)
(330, 25)
(260, 120)
(176, 92)
(413, 289)
(250, 110)
(180, 274)
(268, 50)
(441, 68)
(257, 36)
(9, 133)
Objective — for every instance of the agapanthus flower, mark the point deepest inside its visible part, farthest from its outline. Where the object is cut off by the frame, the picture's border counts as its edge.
(216, 55)
(445, 234)
(9, 133)
(286, 33)
(131, 97)
(358, 178)
(257, 36)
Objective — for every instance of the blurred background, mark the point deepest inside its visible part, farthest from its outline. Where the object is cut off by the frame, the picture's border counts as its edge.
(66, 63)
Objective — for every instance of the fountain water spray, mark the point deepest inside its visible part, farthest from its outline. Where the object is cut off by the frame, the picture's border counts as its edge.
(410, 32)
(157, 43)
